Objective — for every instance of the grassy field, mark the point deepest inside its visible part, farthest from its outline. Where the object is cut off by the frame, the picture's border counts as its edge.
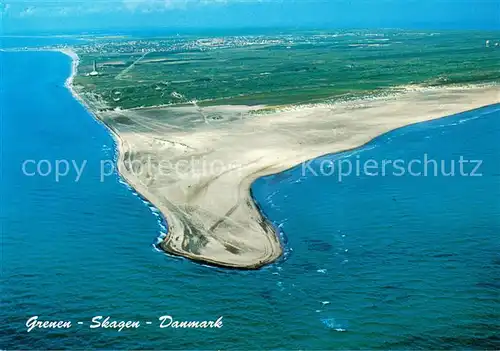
(288, 69)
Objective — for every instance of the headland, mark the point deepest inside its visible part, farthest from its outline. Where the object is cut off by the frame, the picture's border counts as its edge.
(198, 173)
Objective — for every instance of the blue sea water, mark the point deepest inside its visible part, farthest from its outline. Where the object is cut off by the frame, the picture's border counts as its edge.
(391, 262)
(10, 42)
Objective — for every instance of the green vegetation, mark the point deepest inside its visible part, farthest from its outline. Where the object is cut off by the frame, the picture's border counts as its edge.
(287, 69)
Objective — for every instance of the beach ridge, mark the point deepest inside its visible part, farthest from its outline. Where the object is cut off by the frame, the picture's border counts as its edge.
(214, 218)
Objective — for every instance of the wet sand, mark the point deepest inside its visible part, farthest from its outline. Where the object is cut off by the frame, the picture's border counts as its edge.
(199, 174)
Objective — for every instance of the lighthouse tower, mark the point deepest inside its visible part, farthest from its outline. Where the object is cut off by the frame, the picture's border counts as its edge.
(94, 69)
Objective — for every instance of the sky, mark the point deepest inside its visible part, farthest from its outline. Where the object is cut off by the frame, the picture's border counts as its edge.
(68, 16)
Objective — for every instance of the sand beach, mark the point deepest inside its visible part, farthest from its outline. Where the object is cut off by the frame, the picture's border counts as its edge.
(197, 165)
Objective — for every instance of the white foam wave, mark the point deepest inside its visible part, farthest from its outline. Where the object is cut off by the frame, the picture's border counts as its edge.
(155, 248)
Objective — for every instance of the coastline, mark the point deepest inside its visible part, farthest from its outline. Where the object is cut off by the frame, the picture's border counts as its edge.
(214, 219)
(143, 191)
(75, 62)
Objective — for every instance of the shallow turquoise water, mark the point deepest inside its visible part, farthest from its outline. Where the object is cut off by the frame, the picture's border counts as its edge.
(398, 262)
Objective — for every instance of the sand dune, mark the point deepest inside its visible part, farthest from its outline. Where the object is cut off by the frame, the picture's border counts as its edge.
(167, 154)
(199, 175)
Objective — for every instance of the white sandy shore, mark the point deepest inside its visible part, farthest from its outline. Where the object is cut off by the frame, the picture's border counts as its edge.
(75, 61)
(211, 215)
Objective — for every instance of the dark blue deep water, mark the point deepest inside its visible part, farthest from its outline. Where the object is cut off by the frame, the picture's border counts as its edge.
(392, 262)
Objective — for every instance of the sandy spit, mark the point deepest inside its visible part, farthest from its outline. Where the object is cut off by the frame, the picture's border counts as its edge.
(199, 174)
